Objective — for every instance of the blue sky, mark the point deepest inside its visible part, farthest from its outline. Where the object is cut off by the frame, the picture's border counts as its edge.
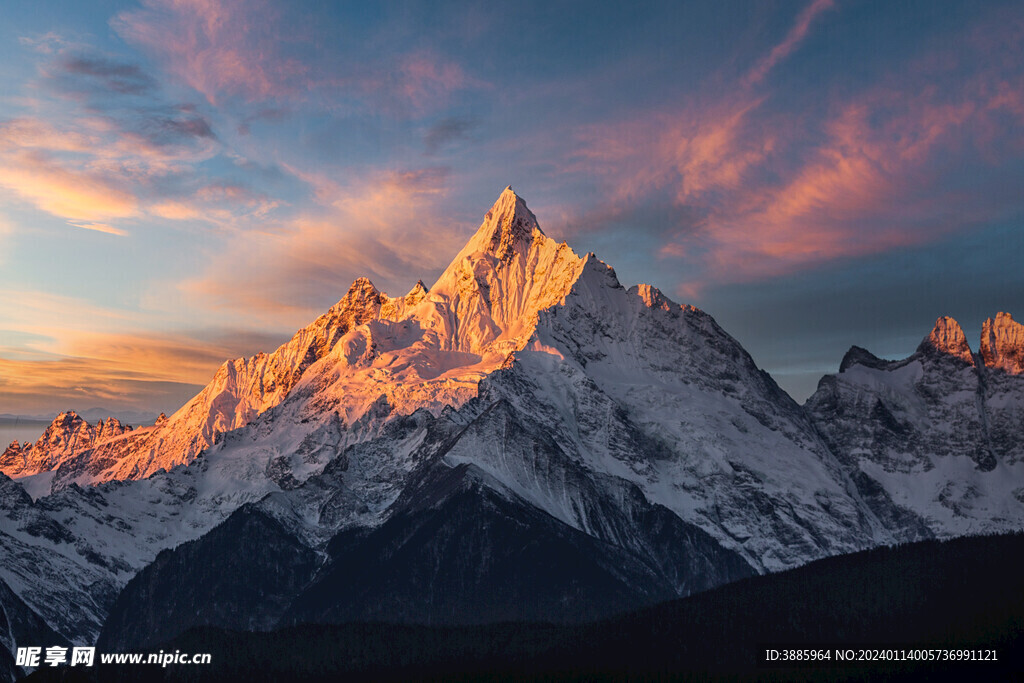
(184, 181)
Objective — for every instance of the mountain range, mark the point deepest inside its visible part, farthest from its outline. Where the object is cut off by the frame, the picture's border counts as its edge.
(527, 439)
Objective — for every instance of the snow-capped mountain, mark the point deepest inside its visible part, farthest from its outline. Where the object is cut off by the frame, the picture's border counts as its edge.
(940, 433)
(531, 438)
(66, 435)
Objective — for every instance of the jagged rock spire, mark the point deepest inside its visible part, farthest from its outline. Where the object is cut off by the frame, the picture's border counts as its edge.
(1002, 344)
(947, 337)
(508, 227)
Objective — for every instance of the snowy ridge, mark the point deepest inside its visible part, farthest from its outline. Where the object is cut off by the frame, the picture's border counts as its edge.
(66, 435)
(610, 412)
(940, 433)
(423, 350)
(267, 423)
(656, 394)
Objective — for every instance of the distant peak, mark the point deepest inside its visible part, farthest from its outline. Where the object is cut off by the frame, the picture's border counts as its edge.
(947, 337)
(860, 356)
(66, 420)
(361, 284)
(653, 297)
(1002, 344)
(417, 293)
(360, 293)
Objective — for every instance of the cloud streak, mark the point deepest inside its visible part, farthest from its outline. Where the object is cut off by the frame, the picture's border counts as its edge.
(244, 50)
(109, 148)
(58, 348)
(100, 227)
(389, 227)
(882, 170)
(792, 40)
(218, 47)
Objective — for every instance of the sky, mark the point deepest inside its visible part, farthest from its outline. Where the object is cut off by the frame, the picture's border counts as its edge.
(187, 181)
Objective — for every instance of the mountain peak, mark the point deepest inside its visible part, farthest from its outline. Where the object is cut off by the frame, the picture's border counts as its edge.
(508, 228)
(1002, 344)
(362, 288)
(362, 300)
(416, 294)
(507, 272)
(652, 297)
(860, 356)
(947, 337)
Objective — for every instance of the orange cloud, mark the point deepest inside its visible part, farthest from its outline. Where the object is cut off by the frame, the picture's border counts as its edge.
(175, 210)
(91, 170)
(64, 192)
(153, 357)
(62, 348)
(34, 134)
(100, 227)
(39, 387)
(390, 227)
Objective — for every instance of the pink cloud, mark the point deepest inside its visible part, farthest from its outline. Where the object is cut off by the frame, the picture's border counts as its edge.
(217, 47)
(390, 227)
(700, 149)
(424, 78)
(793, 39)
(884, 171)
(769, 206)
(236, 48)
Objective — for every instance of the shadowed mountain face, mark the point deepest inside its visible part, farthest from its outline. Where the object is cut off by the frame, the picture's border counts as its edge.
(939, 434)
(527, 439)
(890, 598)
(458, 547)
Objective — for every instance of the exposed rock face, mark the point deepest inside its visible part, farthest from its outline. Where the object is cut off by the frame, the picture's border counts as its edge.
(939, 434)
(947, 338)
(1002, 351)
(66, 435)
(1002, 344)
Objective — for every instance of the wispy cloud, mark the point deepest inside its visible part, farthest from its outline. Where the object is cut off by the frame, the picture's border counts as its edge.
(60, 348)
(100, 227)
(245, 49)
(106, 145)
(793, 39)
(883, 169)
(47, 43)
(390, 227)
(218, 47)
(423, 77)
(100, 71)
